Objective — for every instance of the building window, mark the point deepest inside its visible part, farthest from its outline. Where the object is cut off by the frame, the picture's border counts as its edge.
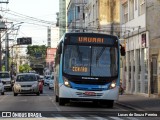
(131, 9)
(141, 7)
(125, 12)
(77, 13)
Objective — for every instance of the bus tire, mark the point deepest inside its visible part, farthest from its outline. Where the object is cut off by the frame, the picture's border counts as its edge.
(110, 103)
(56, 98)
(15, 94)
(62, 101)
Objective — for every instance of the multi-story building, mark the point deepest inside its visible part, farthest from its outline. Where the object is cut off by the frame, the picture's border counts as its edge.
(54, 37)
(139, 29)
(75, 15)
(62, 17)
(49, 37)
(102, 16)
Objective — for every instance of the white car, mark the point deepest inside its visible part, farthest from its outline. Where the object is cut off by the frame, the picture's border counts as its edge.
(51, 83)
(1, 87)
(46, 79)
(6, 79)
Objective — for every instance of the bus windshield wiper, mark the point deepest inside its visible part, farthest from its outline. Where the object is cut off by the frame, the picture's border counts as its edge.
(100, 54)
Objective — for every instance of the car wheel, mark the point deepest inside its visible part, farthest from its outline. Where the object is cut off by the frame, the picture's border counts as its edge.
(2, 93)
(15, 94)
(41, 91)
(38, 93)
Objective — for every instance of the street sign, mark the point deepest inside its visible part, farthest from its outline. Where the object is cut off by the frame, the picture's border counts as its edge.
(38, 55)
(24, 41)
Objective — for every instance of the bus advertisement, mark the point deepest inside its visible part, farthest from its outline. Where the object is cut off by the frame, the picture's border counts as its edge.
(87, 68)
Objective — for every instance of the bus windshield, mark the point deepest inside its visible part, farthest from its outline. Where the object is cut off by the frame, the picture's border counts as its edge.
(92, 61)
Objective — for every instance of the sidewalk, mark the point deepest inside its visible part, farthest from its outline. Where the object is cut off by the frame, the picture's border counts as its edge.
(139, 102)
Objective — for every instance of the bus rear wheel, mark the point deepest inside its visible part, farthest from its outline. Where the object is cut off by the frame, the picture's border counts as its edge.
(56, 98)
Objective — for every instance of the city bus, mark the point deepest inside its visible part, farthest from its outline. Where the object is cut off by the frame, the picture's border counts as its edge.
(87, 68)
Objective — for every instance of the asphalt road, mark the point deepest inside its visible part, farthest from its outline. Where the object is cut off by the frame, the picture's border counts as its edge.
(46, 106)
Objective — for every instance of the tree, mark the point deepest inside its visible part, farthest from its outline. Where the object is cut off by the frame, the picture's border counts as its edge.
(24, 68)
(36, 54)
(33, 50)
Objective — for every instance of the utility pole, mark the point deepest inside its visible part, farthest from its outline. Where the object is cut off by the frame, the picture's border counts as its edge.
(2, 27)
(7, 53)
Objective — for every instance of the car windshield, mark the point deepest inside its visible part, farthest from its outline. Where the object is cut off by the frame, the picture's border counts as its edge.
(4, 75)
(96, 61)
(23, 78)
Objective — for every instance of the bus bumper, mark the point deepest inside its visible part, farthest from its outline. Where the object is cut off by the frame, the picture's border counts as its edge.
(111, 94)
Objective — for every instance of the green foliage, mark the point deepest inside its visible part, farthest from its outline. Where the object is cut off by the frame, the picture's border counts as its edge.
(32, 50)
(3, 68)
(24, 68)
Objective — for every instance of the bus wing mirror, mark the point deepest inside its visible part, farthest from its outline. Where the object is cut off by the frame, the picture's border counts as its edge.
(60, 48)
(123, 52)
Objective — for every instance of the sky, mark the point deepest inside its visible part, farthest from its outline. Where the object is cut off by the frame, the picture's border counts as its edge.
(37, 9)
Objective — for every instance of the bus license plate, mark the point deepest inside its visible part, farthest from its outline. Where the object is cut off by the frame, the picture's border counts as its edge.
(90, 93)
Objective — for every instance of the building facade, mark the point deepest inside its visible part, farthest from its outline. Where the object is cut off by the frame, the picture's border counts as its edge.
(75, 15)
(141, 36)
(102, 16)
(62, 17)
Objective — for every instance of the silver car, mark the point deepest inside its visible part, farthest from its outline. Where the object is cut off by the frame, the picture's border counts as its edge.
(26, 83)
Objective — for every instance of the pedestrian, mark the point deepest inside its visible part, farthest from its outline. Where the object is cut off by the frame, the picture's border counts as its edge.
(121, 89)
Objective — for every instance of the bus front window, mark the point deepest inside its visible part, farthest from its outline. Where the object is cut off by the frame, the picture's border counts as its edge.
(77, 60)
(104, 62)
(94, 61)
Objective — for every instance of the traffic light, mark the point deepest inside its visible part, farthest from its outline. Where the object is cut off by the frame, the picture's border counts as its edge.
(24, 41)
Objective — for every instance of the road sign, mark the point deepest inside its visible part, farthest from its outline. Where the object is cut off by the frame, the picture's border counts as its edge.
(24, 41)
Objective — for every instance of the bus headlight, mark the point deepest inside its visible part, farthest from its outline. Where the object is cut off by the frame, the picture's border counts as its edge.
(113, 85)
(66, 82)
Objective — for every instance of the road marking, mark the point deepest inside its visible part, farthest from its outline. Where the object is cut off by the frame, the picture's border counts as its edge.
(98, 118)
(131, 118)
(50, 98)
(3, 98)
(116, 118)
(59, 116)
(76, 116)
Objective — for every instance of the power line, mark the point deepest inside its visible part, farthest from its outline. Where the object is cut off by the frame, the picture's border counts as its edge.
(26, 16)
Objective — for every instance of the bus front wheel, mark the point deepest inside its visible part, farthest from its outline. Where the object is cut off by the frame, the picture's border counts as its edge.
(110, 104)
(107, 103)
(62, 101)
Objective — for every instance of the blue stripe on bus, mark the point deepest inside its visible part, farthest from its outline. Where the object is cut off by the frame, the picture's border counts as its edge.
(89, 87)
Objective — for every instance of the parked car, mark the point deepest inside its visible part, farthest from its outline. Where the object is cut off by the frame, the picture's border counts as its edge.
(51, 83)
(26, 83)
(40, 83)
(6, 79)
(1, 87)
